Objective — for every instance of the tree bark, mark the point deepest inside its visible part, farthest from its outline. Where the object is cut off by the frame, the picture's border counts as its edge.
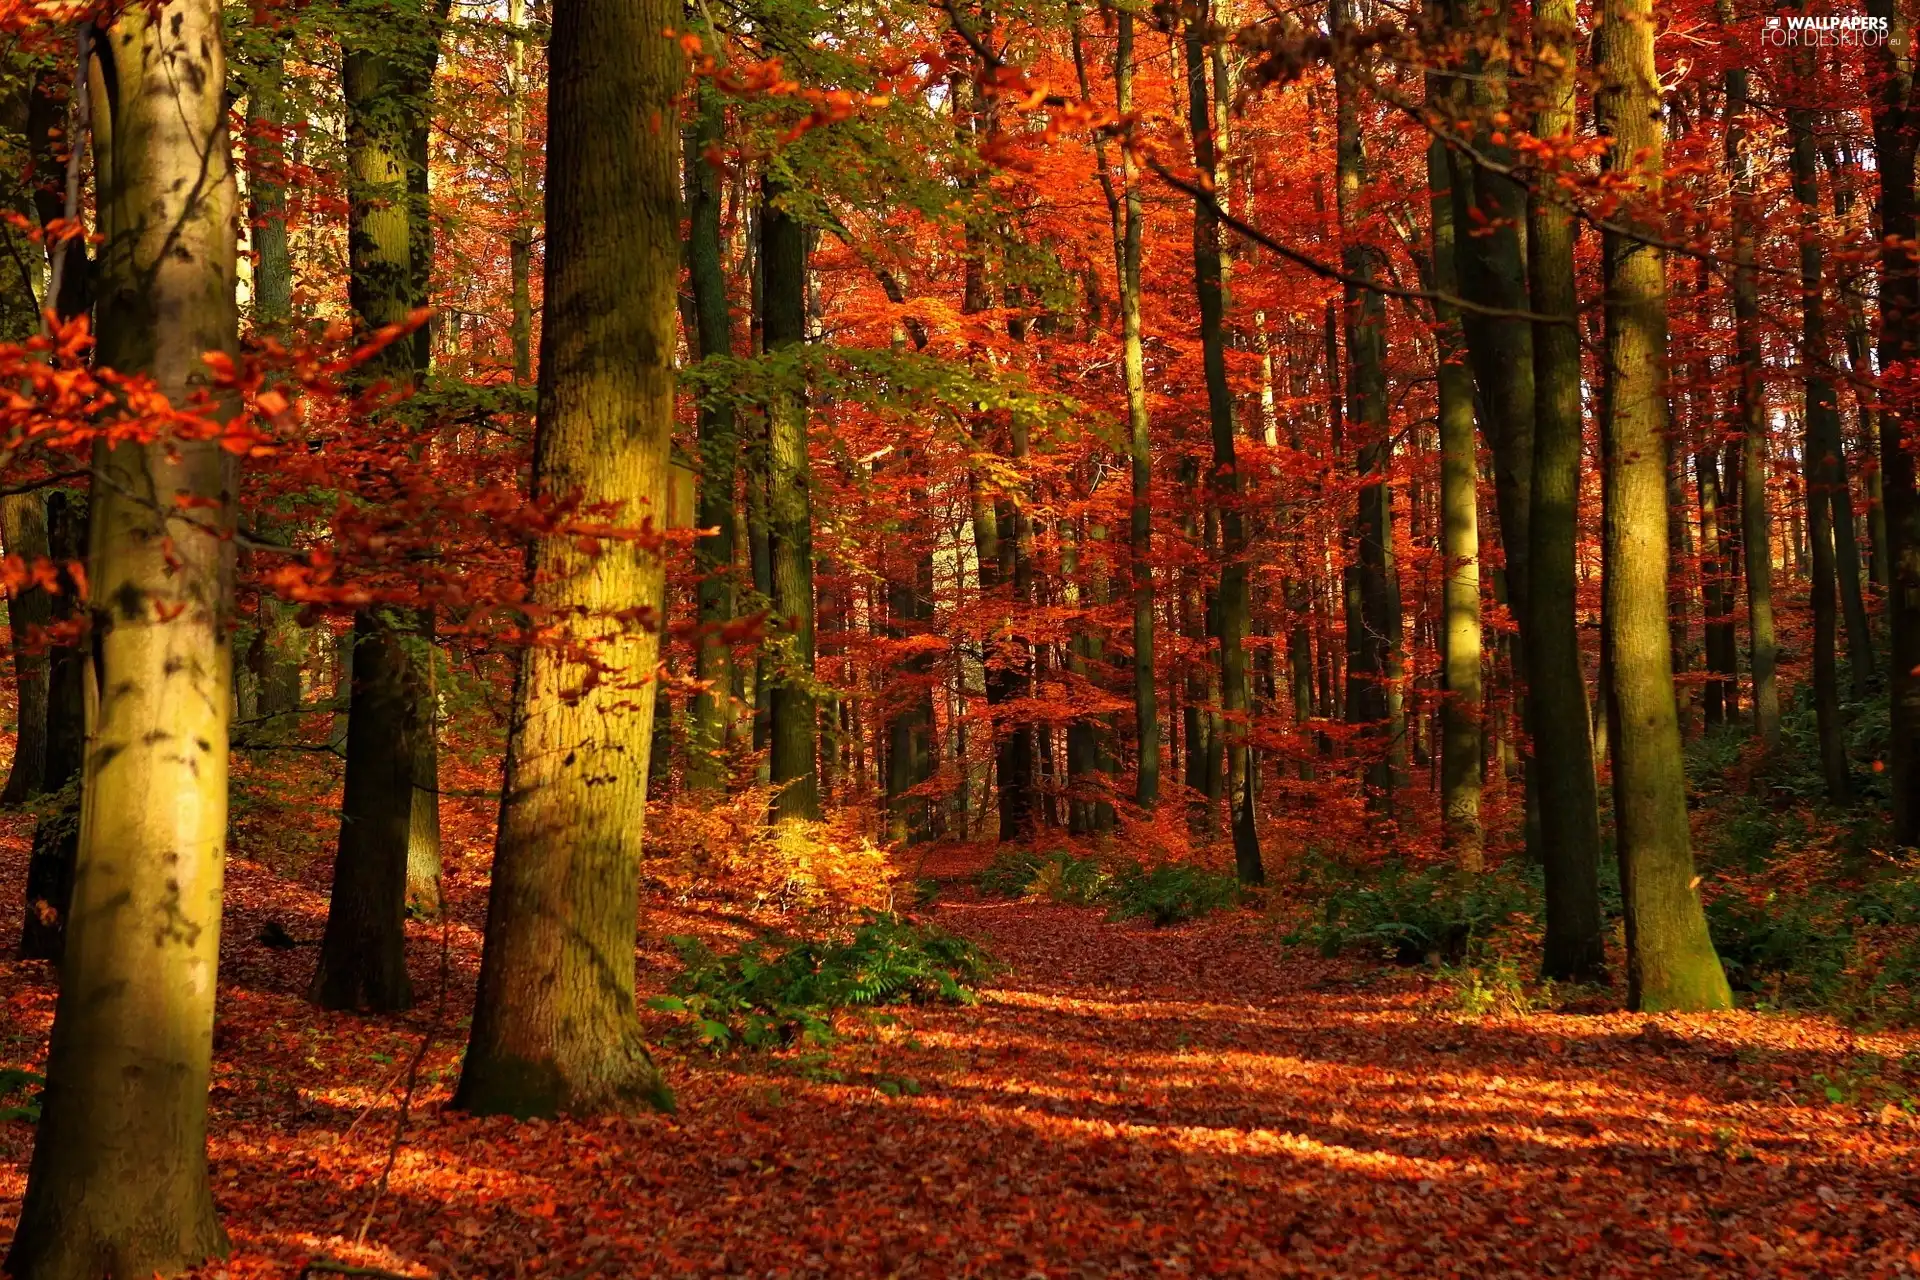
(719, 439)
(1829, 518)
(793, 732)
(1234, 608)
(363, 953)
(1370, 628)
(554, 1027)
(1671, 963)
(118, 1187)
(56, 834)
(1563, 766)
(1756, 528)
(1462, 745)
(23, 533)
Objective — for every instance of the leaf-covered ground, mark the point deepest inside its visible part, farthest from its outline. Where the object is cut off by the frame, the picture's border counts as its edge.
(1123, 1101)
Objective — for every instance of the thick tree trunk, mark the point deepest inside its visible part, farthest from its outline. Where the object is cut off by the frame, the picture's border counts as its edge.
(1671, 963)
(1462, 744)
(1234, 607)
(554, 1027)
(793, 732)
(1563, 766)
(118, 1187)
(719, 454)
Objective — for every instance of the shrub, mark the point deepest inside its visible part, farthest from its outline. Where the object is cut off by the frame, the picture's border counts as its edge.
(775, 990)
(1171, 892)
(1166, 894)
(20, 1092)
(1414, 915)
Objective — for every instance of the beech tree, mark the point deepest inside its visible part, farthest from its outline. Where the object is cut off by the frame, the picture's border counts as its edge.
(554, 1028)
(118, 1186)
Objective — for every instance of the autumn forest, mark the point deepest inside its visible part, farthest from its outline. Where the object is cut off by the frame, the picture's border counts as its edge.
(928, 638)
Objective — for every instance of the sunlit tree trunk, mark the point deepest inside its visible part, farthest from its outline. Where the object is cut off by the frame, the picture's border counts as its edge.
(554, 1027)
(1756, 526)
(719, 452)
(1146, 710)
(1671, 963)
(1461, 742)
(793, 734)
(1234, 608)
(520, 233)
(118, 1186)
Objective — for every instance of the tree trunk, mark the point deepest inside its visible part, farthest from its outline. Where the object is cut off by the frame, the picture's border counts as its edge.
(719, 453)
(554, 1027)
(56, 834)
(23, 533)
(1234, 608)
(377, 817)
(1461, 741)
(1756, 531)
(267, 120)
(1563, 765)
(363, 954)
(793, 732)
(1369, 626)
(1146, 712)
(1825, 481)
(118, 1186)
(1493, 272)
(520, 234)
(1671, 963)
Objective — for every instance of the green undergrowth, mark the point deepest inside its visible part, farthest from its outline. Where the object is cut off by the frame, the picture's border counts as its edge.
(1166, 894)
(778, 990)
(1396, 911)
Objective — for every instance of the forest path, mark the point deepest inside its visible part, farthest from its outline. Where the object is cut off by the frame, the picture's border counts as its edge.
(1123, 1101)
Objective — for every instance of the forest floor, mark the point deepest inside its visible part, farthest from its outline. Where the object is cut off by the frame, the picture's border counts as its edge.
(1123, 1100)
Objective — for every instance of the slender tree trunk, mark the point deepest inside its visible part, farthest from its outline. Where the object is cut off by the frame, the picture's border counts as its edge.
(363, 960)
(56, 834)
(1493, 272)
(1756, 531)
(1461, 741)
(554, 1027)
(378, 799)
(1825, 481)
(1146, 711)
(1671, 963)
(793, 731)
(520, 234)
(118, 1187)
(1563, 766)
(719, 452)
(23, 533)
(267, 120)
(1235, 604)
(1369, 626)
